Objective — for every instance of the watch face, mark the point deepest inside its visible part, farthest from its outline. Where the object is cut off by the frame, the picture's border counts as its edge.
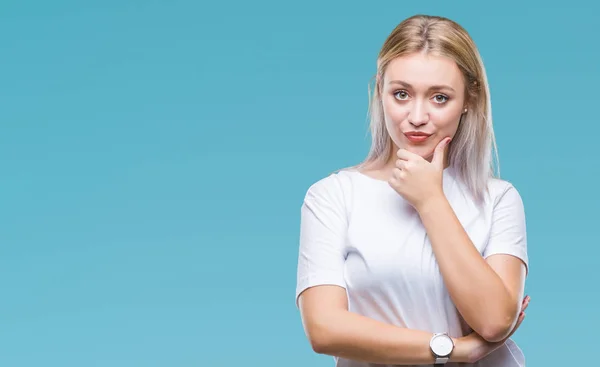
(442, 345)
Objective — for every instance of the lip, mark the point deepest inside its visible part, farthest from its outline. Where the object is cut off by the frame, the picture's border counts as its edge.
(416, 136)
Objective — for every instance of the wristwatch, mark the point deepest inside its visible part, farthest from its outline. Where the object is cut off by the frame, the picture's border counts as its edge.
(441, 345)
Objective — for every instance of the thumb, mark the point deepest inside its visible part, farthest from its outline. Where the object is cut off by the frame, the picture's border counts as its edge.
(439, 153)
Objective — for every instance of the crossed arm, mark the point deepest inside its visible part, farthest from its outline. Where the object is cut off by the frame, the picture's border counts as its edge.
(487, 292)
(333, 330)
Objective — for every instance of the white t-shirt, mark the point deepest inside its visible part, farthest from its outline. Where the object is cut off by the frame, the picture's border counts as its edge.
(360, 234)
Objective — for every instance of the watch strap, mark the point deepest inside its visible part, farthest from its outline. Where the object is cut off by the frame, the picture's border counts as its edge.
(440, 361)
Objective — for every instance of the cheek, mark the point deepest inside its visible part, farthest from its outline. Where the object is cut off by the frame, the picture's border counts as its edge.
(445, 120)
(394, 112)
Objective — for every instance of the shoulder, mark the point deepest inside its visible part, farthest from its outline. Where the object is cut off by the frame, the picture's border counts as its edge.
(330, 199)
(336, 186)
(503, 191)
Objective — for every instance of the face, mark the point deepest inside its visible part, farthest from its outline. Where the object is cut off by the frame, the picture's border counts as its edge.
(423, 98)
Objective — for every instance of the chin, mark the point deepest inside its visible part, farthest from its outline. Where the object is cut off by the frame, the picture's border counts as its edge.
(424, 150)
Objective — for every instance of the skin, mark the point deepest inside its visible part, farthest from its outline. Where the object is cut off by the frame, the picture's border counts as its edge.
(411, 102)
(487, 293)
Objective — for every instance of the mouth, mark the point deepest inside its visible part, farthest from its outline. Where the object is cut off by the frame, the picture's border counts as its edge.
(417, 137)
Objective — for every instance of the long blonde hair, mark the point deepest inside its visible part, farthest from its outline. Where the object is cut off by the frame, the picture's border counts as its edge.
(470, 153)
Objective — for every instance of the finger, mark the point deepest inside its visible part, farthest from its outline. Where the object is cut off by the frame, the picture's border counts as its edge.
(398, 174)
(439, 154)
(393, 181)
(525, 303)
(406, 155)
(520, 319)
(400, 164)
(519, 322)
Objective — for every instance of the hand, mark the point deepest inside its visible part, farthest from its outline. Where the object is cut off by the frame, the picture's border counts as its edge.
(416, 179)
(477, 348)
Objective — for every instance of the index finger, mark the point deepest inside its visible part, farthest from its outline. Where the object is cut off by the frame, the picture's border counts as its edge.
(406, 155)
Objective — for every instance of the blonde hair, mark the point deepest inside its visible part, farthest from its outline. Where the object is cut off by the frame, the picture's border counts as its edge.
(470, 152)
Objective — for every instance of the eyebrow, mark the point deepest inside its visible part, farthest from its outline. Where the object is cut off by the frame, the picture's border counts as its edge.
(407, 85)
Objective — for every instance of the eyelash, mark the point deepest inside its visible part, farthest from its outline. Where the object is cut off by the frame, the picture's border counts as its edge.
(446, 98)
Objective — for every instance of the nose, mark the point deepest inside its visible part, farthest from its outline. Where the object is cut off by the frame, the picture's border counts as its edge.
(418, 115)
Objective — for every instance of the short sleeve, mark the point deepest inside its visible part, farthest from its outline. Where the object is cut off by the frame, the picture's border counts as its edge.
(509, 233)
(323, 225)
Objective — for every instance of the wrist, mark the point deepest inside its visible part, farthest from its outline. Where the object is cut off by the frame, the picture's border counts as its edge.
(463, 350)
(430, 203)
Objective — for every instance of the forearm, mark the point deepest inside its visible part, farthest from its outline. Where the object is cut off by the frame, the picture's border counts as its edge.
(476, 290)
(352, 336)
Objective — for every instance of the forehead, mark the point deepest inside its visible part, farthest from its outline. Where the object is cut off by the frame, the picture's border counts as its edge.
(424, 70)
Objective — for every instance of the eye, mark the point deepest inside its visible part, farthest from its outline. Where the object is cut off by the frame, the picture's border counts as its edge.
(440, 98)
(401, 95)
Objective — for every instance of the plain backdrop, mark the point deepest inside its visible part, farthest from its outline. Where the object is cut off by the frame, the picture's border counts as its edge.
(154, 156)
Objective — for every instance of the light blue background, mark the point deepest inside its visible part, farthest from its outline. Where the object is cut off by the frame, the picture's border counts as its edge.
(154, 155)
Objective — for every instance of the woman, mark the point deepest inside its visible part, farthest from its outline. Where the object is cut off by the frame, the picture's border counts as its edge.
(418, 256)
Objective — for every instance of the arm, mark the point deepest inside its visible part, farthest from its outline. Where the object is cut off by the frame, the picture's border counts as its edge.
(487, 293)
(333, 330)
(321, 296)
